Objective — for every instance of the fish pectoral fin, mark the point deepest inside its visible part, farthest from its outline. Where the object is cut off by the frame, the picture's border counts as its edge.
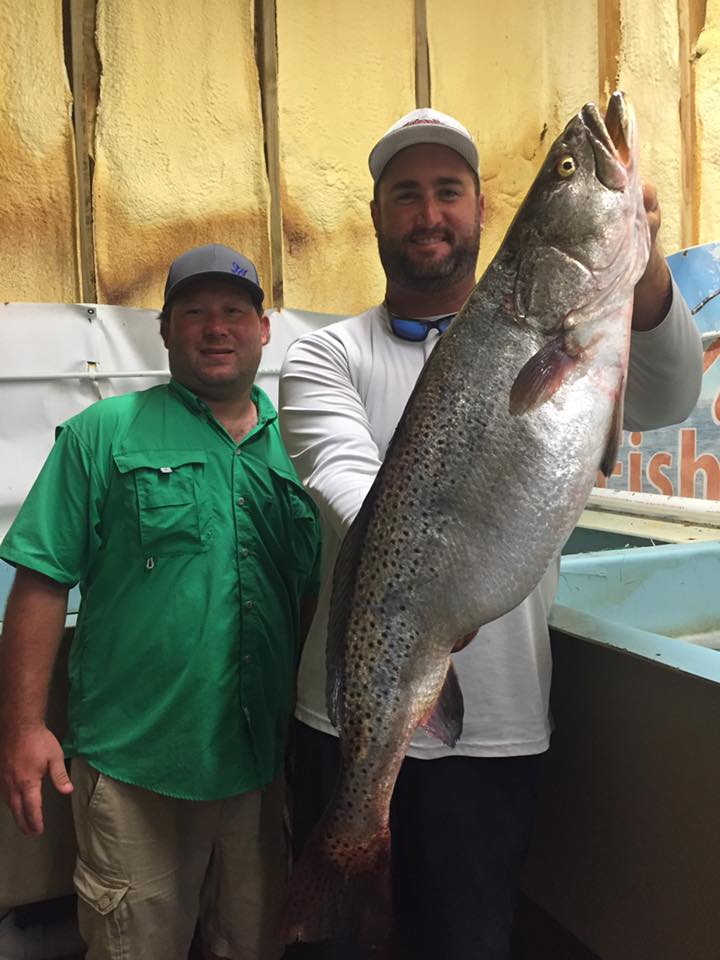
(615, 434)
(445, 721)
(463, 642)
(541, 377)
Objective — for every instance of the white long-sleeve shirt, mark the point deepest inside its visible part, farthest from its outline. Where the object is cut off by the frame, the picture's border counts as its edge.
(342, 392)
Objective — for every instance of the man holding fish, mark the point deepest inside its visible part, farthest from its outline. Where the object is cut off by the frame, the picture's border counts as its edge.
(460, 520)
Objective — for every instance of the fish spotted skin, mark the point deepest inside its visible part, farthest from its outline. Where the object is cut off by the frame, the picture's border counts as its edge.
(488, 471)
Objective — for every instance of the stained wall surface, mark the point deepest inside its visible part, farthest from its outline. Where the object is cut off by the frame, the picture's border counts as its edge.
(178, 141)
(649, 70)
(327, 127)
(514, 95)
(38, 257)
(707, 159)
(250, 123)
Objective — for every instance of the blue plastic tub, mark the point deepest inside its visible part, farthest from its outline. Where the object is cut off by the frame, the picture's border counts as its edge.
(659, 602)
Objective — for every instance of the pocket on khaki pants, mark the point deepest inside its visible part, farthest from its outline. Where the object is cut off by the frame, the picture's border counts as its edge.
(100, 893)
(102, 907)
(102, 913)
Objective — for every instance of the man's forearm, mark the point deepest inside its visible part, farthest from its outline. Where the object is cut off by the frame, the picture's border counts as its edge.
(32, 631)
(326, 430)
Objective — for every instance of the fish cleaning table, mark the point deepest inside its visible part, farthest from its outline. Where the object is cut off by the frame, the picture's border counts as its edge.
(626, 849)
(645, 599)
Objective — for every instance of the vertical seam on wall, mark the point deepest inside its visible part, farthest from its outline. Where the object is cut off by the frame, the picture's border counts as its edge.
(691, 19)
(82, 15)
(422, 56)
(609, 47)
(266, 54)
(686, 107)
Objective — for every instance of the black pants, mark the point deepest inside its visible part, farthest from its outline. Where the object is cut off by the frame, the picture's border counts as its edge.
(460, 833)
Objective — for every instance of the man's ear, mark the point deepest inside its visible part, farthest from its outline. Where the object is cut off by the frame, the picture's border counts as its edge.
(481, 209)
(375, 214)
(164, 324)
(264, 328)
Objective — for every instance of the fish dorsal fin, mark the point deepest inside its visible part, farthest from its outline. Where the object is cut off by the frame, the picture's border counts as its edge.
(541, 377)
(615, 434)
(346, 567)
(446, 719)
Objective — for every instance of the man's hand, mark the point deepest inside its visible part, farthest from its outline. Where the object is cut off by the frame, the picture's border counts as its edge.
(26, 756)
(32, 630)
(653, 291)
(652, 210)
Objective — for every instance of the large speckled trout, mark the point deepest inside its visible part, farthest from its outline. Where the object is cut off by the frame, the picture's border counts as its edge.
(485, 478)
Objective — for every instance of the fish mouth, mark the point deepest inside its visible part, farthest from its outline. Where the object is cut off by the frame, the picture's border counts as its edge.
(612, 139)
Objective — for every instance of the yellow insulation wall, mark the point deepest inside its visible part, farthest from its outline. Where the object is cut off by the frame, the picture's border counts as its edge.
(37, 176)
(708, 106)
(327, 128)
(649, 71)
(514, 76)
(185, 114)
(179, 142)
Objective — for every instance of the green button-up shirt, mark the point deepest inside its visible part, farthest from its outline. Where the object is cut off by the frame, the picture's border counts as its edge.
(192, 553)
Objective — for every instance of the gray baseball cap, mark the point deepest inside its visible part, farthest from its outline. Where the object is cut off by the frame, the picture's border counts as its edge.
(423, 125)
(212, 262)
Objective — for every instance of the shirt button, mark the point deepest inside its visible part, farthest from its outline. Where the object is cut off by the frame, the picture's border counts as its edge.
(241, 501)
(238, 452)
(246, 552)
(247, 658)
(248, 604)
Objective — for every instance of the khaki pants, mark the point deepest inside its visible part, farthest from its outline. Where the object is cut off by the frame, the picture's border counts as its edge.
(149, 866)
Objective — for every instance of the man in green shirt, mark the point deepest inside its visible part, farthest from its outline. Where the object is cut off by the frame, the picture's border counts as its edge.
(196, 549)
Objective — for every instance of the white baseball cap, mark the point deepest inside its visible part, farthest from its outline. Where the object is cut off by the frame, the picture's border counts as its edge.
(423, 125)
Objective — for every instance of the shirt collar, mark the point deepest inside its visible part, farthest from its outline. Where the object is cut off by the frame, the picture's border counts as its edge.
(265, 409)
(387, 313)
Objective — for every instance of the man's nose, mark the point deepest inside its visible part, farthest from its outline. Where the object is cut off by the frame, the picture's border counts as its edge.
(429, 213)
(215, 322)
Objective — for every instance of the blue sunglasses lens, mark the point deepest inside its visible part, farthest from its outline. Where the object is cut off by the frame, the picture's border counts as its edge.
(417, 330)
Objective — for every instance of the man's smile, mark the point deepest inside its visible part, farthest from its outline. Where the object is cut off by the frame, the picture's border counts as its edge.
(429, 240)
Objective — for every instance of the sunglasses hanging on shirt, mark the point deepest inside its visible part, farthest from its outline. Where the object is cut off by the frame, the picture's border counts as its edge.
(417, 330)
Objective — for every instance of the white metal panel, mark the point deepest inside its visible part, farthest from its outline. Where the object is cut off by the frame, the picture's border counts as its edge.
(57, 359)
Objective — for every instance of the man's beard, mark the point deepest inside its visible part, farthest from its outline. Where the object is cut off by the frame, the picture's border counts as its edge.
(434, 275)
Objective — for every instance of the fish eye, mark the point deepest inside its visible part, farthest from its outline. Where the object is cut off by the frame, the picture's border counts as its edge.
(566, 166)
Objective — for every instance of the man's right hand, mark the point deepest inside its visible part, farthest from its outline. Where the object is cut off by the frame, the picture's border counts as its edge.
(26, 756)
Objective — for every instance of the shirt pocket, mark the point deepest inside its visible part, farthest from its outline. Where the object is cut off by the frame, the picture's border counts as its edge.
(168, 490)
(304, 524)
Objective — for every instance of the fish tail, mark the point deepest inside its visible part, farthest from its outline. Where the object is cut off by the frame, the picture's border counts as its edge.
(337, 892)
